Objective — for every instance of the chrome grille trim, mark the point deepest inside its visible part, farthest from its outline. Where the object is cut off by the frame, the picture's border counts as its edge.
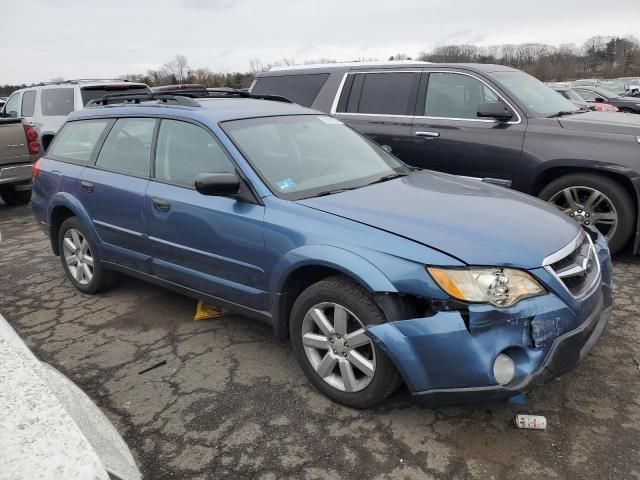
(572, 270)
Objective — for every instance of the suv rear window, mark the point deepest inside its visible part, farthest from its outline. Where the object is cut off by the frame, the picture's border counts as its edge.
(56, 101)
(302, 89)
(77, 140)
(92, 93)
(28, 103)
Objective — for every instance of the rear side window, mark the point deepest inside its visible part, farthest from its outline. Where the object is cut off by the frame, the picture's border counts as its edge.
(92, 93)
(127, 148)
(302, 89)
(77, 140)
(185, 151)
(56, 101)
(28, 103)
(392, 93)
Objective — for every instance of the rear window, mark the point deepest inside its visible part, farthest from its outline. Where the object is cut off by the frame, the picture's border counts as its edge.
(28, 103)
(77, 140)
(56, 101)
(302, 89)
(92, 93)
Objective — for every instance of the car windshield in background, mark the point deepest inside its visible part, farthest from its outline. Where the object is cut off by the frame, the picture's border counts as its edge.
(308, 155)
(606, 94)
(538, 97)
(93, 93)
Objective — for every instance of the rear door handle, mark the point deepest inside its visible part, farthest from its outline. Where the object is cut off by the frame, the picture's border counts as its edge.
(86, 186)
(161, 204)
(428, 134)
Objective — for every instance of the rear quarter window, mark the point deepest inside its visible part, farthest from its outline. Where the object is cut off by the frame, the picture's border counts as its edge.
(301, 89)
(77, 140)
(57, 101)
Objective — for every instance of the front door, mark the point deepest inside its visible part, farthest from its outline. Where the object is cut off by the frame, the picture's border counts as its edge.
(208, 244)
(448, 136)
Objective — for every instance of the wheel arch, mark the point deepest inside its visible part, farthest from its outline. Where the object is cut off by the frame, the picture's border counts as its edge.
(62, 207)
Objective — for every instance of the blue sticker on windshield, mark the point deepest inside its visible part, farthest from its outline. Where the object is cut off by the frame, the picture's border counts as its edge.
(286, 184)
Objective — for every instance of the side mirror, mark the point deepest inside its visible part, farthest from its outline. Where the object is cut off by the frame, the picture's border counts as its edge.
(599, 99)
(217, 184)
(496, 110)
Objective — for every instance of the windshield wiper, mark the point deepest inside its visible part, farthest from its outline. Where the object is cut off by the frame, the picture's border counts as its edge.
(391, 176)
(563, 113)
(331, 192)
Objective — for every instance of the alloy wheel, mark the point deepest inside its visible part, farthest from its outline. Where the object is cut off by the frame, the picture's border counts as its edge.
(337, 347)
(588, 206)
(77, 256)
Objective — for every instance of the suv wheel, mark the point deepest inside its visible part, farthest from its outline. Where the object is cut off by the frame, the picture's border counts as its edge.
(328, 337)
(79, 258)
(13, 197)
(595, 200)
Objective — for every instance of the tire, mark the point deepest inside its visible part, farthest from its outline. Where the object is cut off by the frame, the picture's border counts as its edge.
(614, 192)
(100, 278)
(359, 390)
(626, 110)
(13, 197)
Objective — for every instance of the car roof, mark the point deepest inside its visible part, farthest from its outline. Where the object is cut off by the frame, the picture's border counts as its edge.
(362, 66)
(211, 110)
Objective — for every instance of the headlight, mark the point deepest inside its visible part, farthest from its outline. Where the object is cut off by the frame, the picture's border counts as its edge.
(501, 287)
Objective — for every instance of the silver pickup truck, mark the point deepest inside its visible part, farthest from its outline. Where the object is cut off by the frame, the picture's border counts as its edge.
(19, 149)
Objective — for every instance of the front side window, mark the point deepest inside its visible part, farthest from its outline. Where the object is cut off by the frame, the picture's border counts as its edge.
(11, 107)
(77, 140)
(453, 95)
(127, 148)
(185, 151)
(57, 101)
(387, 93)
(539, 98)
(28, 103)
(301, 156)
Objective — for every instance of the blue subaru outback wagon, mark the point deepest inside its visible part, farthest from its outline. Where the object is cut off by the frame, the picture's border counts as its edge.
(376, 272)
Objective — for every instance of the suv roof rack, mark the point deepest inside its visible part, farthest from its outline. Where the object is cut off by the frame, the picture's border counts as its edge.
(75, 81)
(136, 98)
(231, 92)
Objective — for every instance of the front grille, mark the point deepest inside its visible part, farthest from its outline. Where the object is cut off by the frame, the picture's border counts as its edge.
(576, 265)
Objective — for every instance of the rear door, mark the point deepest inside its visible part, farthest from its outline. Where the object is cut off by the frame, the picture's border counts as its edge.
(448, 136)
(113, 191)
(208, 244)
(380, 104)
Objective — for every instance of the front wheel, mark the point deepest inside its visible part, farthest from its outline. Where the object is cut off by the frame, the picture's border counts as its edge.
(327, 330)
(13, 197)
(595, 200)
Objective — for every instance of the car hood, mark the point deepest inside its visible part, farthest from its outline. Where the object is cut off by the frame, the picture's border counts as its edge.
(604, 122)
(477, 223)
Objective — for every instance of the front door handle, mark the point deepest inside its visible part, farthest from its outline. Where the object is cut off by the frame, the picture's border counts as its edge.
(161, 204)
(428, 134)
(86, 186)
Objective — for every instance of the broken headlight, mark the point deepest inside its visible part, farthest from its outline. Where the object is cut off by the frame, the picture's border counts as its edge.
(501, 287)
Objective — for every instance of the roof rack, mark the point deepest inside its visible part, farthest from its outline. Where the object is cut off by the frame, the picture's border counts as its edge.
(136, 98)
(81, 80)
(226, 92)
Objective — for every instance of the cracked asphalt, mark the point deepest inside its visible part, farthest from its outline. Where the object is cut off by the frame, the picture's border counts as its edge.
(231, 402)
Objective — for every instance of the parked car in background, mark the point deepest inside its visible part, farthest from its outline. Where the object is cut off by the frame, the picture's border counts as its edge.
(632, 84)
(19, 149)
(3, 100)
(575, 98)
(587, 82)
(51, 429)
(376, 272)
(490, 122)
(600, 95)
(45, 107)
(613, 86)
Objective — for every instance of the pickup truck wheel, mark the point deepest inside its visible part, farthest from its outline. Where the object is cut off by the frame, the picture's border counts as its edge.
(595, 200)
(13, 197)
(327, 329)
(80, 260)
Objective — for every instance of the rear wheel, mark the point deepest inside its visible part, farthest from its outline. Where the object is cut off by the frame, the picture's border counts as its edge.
(595, 200)
(327, 330)
(80, 259)
(13, 197)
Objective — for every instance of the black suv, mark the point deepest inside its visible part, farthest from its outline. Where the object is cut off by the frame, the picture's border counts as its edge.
(490, 122)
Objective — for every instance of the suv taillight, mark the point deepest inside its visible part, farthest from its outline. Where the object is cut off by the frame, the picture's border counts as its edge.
(35, 170)
(32, 140)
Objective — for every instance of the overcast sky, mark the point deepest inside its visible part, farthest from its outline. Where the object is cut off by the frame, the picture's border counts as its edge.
(44, 39)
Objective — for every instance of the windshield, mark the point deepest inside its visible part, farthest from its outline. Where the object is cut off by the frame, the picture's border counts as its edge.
(606, 94)
(535, 95)
(572, 95)
(306, 155)
(614, 87)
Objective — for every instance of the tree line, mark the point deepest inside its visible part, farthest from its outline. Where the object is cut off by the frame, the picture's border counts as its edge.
(600, 57)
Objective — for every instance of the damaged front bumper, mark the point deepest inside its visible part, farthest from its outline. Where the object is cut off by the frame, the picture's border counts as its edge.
(448, 358)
